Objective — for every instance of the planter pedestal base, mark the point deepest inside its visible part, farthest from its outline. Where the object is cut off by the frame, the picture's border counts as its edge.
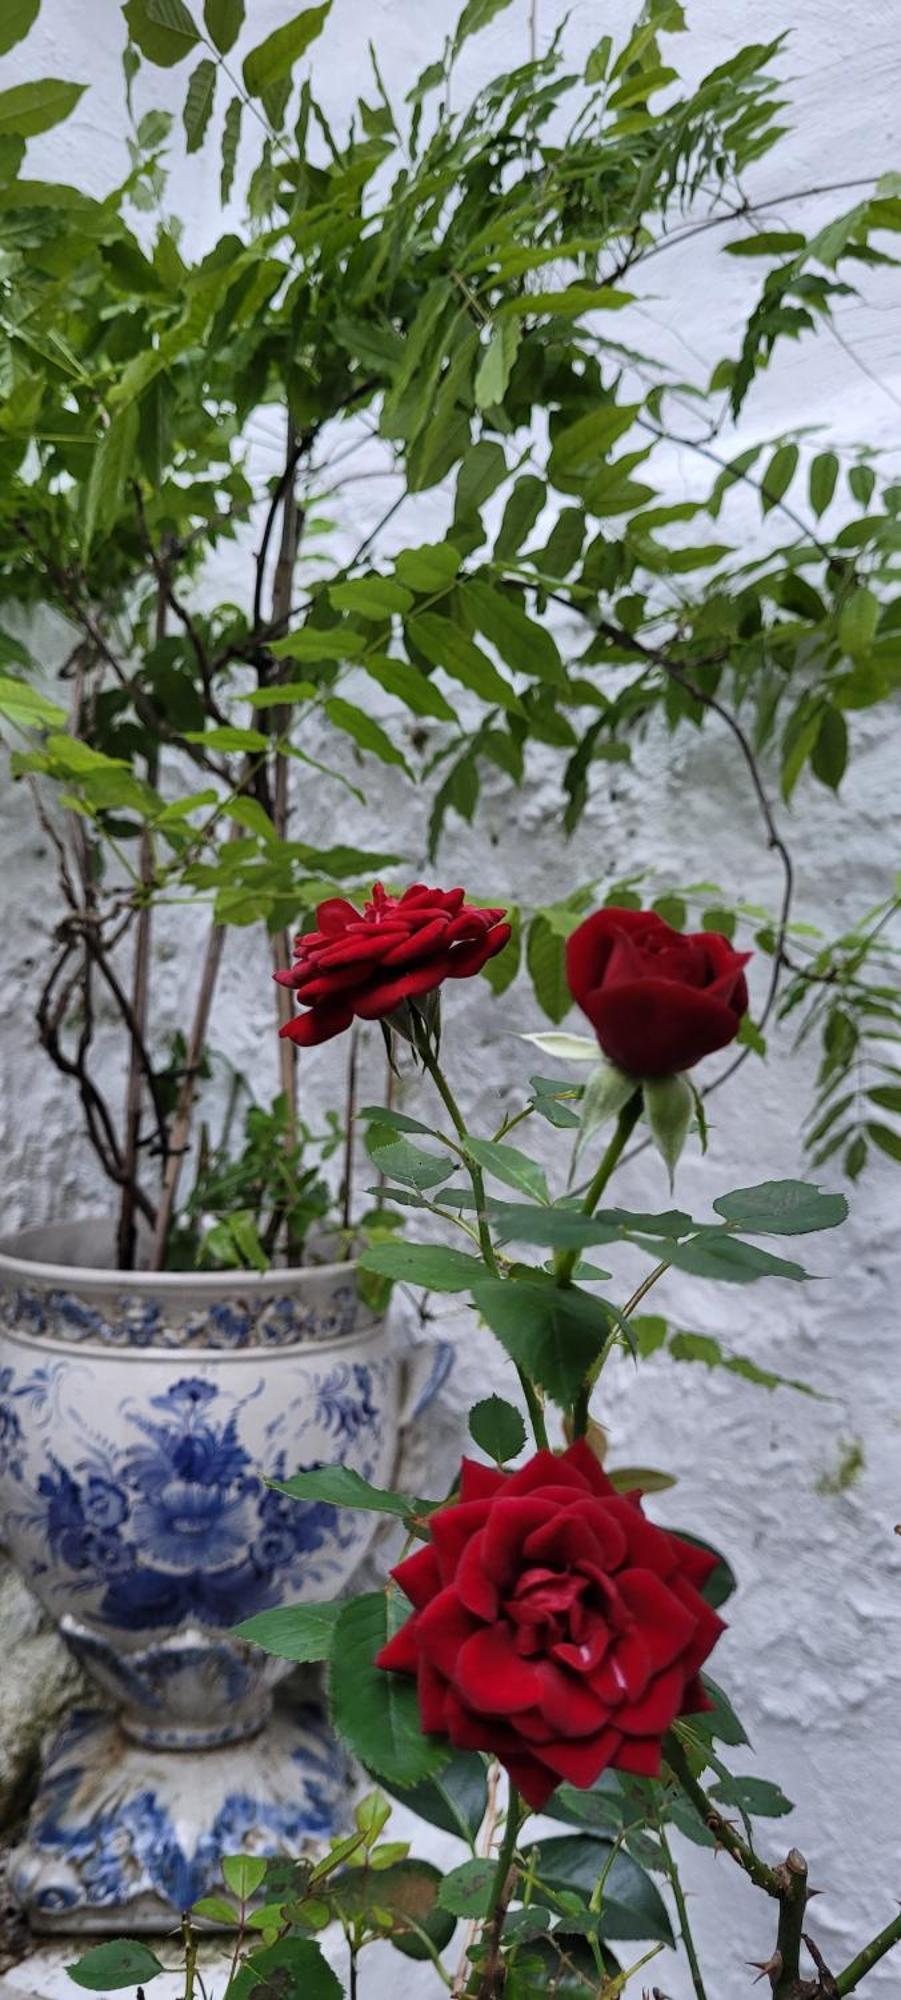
(122, 1838)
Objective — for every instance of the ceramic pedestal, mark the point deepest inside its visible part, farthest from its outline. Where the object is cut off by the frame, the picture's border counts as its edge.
(141, 1416)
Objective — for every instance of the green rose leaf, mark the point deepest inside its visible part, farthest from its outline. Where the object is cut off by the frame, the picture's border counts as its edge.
(781, 1208)
(554, 1333)
(121, 1962)
(293, 1631)
(376, 1713)
(497, 1428)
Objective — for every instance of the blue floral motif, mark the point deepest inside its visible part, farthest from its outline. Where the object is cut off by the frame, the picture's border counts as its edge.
(179, 1524)
(130, 1319)
(132, 1848)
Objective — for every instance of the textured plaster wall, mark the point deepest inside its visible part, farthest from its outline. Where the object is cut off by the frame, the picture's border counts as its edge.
(812, 1656)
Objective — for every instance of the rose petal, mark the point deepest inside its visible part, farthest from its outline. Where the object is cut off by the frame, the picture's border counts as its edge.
(474, 1587)
(492, 1677)
(400, 1654)
(442, 1631)
(658, 1707)
(452, 1527)
(640, 1755)
(479, 1482)
(419, 1576)
(431, 1694)
(665, 1625)
(328, 1018)
(508, 1525)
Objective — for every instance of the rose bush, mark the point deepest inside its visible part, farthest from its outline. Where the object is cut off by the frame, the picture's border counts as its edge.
(554, 1626)
(658, 1000)
(397, 949)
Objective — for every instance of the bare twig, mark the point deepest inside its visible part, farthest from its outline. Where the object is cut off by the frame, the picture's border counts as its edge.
(140, 986)
(182, 1122)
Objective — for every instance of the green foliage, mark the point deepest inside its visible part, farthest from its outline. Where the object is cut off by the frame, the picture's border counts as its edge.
(376, 1713)
(497, 1428)
(293, 1631)
(120, 1962)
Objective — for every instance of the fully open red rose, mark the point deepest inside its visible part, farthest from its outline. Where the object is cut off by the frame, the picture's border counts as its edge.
(553, 1625)
(657, 1000)
(399, 948)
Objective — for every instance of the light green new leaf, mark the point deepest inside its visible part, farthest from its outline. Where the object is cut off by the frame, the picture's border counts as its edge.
(224, 21)
(30, 108)
(371, 597)
(163, 30)
(778, 476)
(857, 622)
(476, 14)
(496, 366)
(274, 59)
(198, 105)
(25, 706)
(407, 684)
(17, 19)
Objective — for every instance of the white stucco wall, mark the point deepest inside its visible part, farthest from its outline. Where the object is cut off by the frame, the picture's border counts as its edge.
(812, 1655)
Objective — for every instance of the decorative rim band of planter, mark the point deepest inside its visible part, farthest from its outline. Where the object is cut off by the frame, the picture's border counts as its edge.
(140, 1433)
(64, 1294)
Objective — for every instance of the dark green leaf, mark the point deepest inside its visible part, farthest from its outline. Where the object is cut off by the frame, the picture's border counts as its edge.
(455, 1799)
(365, 732)
(412, 1165)
(199, 103)
(274, 58)
(546, 960)
(340, 1486)
(778, 476)
(578, 449)
(18, 18)
(857, 622)
(476, 14)
(467, 1891)
(113, 464)
(523, 644)
(482, 470)
(823, 475)
(631, 1906)
(376, 1713)
(408, 1891)
(715, 1254)
(224, 20)
(163, 30)
(292, 1969)
(120, 1962)
(756, 1796)
(554, 1333)
(506, 1163)
(829, 756)
(781, 1208)
(293, 1631)
(446, 646)
(231, 135)
(426, 1264)
(497, 1428)
(551, 1228)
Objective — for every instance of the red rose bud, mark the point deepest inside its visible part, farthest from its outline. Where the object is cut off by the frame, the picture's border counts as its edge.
(657, 1000)
(553, 1625)
(398, 949)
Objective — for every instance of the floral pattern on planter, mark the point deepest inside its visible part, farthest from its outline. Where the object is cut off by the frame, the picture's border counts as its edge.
(176, 1522)
(91, 1846)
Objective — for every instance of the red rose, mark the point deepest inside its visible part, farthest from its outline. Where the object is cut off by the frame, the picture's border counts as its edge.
(399, 948)
(657, 1000)
(554, 1626)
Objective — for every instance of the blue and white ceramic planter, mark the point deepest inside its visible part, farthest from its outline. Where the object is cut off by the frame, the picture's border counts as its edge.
(140, 1419)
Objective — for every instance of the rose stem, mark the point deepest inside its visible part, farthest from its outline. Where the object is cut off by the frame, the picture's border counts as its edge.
(566, 1260)
(431, 1063)
(502, 1890)
(675, 1881)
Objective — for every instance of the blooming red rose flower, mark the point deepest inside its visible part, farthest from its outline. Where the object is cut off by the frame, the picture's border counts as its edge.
(553, 1625)
(398, 948)
(658, 1000)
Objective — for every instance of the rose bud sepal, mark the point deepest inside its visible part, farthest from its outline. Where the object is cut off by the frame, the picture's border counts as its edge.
(669, 1103)
(606, 1094)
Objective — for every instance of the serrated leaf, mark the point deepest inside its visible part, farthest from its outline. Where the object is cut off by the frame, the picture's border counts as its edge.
(293, 1968)
(631, 1906)
(376, 1713)
(550, 1228)
(163, 30)
(224, 21)
(18, 19)
(553, 1332)
(275, 57)
(293, 1631)
(199, 102)
(497, 1428)
(716, 1254)
(757, 1796)
(120, 1962)
(467, 1891)
(781, 1208)
(428, 1264)
(29, 108)
(413, 1166)
(341, 1486)
(243, 1874)
(508, 1164)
